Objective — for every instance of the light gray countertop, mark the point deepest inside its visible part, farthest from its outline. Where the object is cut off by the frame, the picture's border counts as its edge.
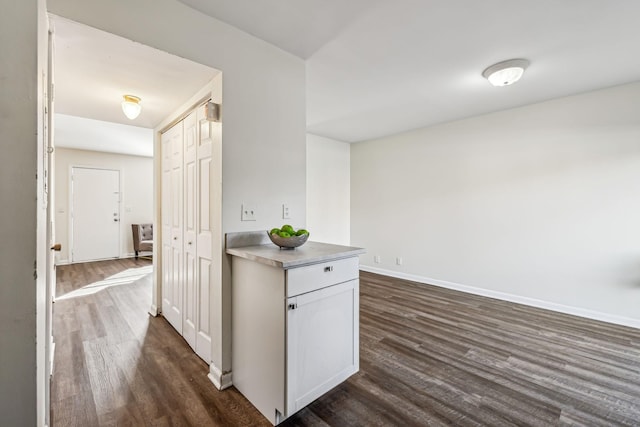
(270, 254)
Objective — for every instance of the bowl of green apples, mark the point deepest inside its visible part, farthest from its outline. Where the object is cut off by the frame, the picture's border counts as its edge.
(286, 237)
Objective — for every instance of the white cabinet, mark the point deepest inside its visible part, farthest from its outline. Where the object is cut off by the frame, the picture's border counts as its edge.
(187, 220)
(294, 331)
(322, 342)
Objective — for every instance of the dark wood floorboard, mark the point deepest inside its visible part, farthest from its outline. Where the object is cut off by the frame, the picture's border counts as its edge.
(429, 357)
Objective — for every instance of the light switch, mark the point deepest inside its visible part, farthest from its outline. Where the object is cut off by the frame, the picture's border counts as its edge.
(285, 211)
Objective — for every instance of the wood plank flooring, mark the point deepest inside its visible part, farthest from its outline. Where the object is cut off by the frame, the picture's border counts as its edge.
(429, 357)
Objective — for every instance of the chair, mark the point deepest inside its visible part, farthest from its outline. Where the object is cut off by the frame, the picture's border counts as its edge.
(142, 237)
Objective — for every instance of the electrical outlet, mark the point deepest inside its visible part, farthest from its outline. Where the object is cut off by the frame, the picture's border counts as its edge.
(376, 259)
(285, 211)
(248, 212)
(398, 260)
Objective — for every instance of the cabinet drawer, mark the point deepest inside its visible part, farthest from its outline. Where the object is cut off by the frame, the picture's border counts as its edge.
(311, 277)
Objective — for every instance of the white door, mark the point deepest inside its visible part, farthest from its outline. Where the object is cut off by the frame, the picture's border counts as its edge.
(205, 194)
(190, 314)
(322, 342)
(172, 252)
(95, 214)
(45, 350)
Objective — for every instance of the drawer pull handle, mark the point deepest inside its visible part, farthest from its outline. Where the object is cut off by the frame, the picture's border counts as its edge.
(328, 268)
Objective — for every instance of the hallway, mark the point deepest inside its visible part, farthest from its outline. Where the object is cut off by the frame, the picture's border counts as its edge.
(116, 365)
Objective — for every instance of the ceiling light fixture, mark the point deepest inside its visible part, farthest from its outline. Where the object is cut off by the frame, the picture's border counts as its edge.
(506, 73)
(131, 106)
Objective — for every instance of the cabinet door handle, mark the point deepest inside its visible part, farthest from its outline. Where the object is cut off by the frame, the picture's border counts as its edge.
(293, 306)
(328, 268)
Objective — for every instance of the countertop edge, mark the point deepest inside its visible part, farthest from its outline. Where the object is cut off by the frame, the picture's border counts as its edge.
(245, 252)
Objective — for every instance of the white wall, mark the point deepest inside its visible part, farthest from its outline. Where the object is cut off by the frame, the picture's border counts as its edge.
(539, 203)
(328, 190)
(263, 116)
(136, 186)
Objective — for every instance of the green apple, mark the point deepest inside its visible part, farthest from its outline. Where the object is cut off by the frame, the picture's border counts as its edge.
(274, 231)
(284, 234)
(289, 229)
(301, 232)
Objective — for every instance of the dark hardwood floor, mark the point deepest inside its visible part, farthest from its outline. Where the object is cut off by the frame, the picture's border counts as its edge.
(429, 357)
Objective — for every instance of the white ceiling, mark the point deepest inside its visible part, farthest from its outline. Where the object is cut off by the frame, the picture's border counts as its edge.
(376, 68)
(297, 26)
(89, 134)
(93, 69)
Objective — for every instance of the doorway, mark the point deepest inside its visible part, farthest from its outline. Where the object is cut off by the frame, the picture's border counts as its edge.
(95, 214)
(94, 142)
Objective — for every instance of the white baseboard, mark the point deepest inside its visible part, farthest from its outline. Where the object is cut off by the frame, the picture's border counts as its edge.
(561, 308)
(51, 356)
(219, 379)
(122, 256)
(153, 310)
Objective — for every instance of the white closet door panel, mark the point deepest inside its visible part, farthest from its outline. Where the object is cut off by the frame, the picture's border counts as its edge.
(204, 236)
(172, 194)
(190, 312)
(165, 220)
(203, 337)
(173, 313)
(166, 277)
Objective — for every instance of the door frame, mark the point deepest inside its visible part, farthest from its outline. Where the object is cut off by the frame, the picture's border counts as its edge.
(70, 207)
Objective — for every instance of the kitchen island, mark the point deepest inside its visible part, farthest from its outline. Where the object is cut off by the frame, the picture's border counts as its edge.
(294, 321)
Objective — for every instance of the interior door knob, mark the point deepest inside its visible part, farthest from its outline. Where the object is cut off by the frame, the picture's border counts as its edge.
(57, 247)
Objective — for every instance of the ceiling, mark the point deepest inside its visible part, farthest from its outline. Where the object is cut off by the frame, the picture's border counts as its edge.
(97, 135)
(297, 26)
(376, 68)
(94, 69)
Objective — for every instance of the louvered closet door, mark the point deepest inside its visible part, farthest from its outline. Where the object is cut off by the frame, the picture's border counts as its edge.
(204, 228)
(172, 254)
(190, 313)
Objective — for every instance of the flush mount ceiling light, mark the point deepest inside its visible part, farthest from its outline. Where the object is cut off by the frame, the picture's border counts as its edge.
(131, 106)
(506, 73)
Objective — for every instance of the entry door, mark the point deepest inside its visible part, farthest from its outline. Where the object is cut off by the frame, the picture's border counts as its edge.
(95, 214)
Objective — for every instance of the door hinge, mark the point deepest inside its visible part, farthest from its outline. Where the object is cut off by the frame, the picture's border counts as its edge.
(293, 306)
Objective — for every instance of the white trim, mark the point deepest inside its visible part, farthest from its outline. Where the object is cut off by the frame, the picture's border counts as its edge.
(153, 310)
(220, 380)
(53, 354)
(561, 308)
(125, 256)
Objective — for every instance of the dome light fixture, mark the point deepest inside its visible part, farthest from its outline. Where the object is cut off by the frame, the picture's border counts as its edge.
(506, 73)
(131, 106)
